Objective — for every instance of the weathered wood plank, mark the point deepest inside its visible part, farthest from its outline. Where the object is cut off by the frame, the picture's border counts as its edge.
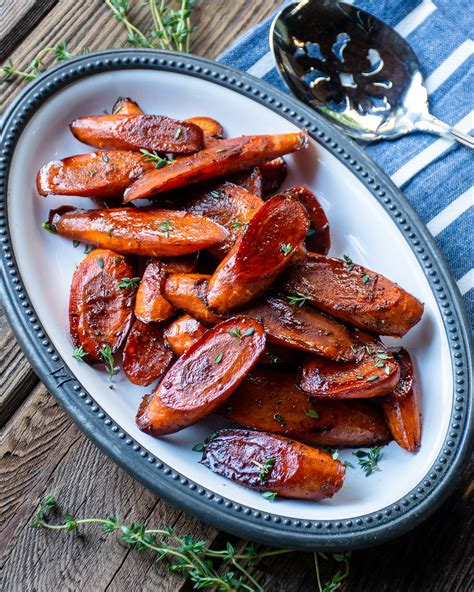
(17, 18)
(90, 24)
(16, 375)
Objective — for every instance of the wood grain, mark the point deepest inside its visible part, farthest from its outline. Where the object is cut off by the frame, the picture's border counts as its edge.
(42, 451)
(16, 375)
(18, 17)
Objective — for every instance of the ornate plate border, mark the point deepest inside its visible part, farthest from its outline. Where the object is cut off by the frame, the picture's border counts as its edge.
(269, 528)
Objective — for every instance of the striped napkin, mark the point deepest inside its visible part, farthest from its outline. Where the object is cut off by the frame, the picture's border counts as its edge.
(436, 175)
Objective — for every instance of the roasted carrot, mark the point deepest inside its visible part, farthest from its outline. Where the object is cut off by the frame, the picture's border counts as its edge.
(210, 127)
(374, 372)
(262, 252)
(153, 233)
(291, 323)
(150, 304)
(227, 204)
(183, 332)
(318, 239)
(100, 310)
(269, 400)
(273, 175)
(229, 156)
(138, 132)
(271, 463)
(188, 292)
(354, 294)
(204, 377)
(146, 356)
(126, 106)
(97, 174)
(402, 406)
(250, 180)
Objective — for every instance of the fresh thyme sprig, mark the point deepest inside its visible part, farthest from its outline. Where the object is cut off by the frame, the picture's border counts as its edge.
(264, 468)
(108, 357)
(298, 299)
(368, 460)
(226, 570)
(35, 67)
(156, 158)
(129, 283)
(171, 30)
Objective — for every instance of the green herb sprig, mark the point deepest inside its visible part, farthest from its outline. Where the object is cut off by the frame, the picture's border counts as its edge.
(108, 357)
(129, 283)
(264, 468)
(299, 299)
(156, 158)
(171, 30)
(368, 460)
(227, 570)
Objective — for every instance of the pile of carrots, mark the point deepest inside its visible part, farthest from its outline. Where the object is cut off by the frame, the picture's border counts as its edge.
(219, 289)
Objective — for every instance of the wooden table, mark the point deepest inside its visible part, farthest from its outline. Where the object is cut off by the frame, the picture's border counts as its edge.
(42, 451)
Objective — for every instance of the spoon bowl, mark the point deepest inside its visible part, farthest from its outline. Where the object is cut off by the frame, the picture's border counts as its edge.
(355, 70)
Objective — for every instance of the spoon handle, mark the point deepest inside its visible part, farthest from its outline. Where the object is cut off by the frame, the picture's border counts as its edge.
(433, 125)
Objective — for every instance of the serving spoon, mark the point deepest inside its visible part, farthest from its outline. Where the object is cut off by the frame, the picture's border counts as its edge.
(355, 70)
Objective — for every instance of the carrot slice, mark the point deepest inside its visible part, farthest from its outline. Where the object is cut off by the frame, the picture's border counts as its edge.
(210, 127)
(183, 332)
(230, 206)
(269, 400)
(97, 174)
(229, 156)
(138, 132)
(402, 406)
(375, 372)
(250, 180)
(204, 377)
(154, 233)
(145, 356)
(288, 322)
(263, 251)
(354, 294)
(100, 310)
(188, 292)
(126, 106)
(271, 463)
(150, 303)
(273, 175)
(318, 239)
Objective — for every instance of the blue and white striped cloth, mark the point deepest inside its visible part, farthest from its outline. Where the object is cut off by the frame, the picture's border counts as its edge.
(436, 175)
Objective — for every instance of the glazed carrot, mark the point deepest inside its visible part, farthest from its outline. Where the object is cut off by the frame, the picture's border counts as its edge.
(126, 106)
(355, 294)
(227, 204)
(97, 174)
(145, 356)
(288, 322)
(262, 252)
(150, 304)
(138, 132)
(271, 463)
(229, 156)
(210, 127)
(153, 233)
(402, 406)
(268, 400)
(374, 372)
(273, 175)
(183, 332)
(188, 292)
(318, 239)
(250, 180)
(204, 377)
(100, 310)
